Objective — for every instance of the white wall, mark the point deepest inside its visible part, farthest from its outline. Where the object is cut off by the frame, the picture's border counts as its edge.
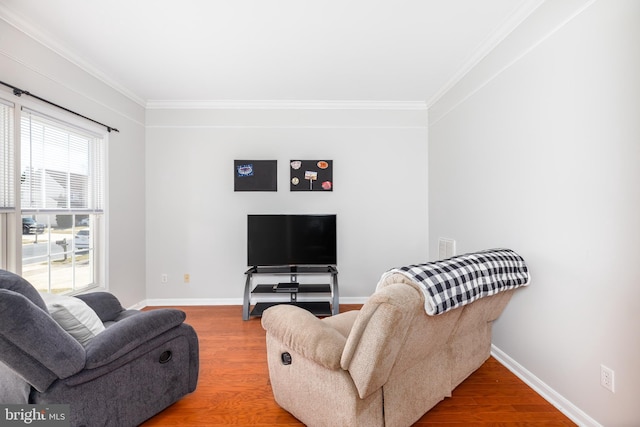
(197, 223)
(31, 66)
(538, 149)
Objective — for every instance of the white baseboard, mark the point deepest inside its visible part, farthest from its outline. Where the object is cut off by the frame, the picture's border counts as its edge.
(163, 302)
(137, 306)
(576, 415)
(353, 300)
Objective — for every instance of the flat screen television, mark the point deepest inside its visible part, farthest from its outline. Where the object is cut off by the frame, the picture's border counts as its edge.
(291, 240)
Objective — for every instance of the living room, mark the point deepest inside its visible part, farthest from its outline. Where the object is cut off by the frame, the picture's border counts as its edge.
(534, 148)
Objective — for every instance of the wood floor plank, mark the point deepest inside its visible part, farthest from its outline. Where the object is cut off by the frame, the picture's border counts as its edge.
(233, 386)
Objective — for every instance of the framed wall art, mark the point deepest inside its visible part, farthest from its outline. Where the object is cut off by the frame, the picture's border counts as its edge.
(255, 175)
(311, 175)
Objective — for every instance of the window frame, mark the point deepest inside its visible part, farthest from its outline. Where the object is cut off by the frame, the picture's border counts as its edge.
(8, 211)
(11, 246)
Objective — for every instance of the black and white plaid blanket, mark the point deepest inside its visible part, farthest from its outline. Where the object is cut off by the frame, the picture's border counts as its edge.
(462, 279)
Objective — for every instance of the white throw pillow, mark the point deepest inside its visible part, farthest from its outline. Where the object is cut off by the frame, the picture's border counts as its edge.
(75, 317)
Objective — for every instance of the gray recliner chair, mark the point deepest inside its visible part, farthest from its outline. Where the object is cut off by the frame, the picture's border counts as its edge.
(140, 364)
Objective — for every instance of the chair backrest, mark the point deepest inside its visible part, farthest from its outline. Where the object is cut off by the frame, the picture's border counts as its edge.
(378, 334)
(15, 283)
(31, 343)
(471, 340)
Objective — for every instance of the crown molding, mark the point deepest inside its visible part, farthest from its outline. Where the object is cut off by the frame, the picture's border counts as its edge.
(285, 105)
(510, 23)
(38, 36)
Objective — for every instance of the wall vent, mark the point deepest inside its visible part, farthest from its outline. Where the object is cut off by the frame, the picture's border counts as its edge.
(446, 248)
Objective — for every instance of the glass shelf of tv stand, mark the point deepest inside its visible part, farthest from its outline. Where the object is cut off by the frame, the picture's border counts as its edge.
(319, 308)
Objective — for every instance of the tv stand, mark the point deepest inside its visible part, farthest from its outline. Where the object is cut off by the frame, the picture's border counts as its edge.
(267, 295)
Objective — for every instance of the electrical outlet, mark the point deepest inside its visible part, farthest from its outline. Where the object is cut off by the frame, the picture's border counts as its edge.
(186, 278)
(164, 278)
(607, 378)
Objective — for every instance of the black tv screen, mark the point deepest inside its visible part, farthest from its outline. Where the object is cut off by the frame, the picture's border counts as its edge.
(275, 240)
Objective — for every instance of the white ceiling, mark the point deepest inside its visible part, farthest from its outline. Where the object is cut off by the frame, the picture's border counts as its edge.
(271, 50)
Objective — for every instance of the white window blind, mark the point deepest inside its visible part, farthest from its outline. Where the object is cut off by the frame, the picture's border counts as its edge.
(61, 166)
(7, 187)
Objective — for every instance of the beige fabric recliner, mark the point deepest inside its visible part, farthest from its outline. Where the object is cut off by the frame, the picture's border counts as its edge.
(386, 364)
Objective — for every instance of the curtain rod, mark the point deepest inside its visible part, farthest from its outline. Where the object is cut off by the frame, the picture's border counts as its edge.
(20, 92)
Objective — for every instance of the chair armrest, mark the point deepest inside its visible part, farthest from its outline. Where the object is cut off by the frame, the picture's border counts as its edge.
(106, 305)
(305, 334)
(129, 333)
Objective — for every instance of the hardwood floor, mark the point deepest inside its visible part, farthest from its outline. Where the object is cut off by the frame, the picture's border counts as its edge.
(233, 386)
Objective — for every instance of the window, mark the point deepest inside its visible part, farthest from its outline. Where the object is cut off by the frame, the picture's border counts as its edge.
(52, 187)
(61, 203)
